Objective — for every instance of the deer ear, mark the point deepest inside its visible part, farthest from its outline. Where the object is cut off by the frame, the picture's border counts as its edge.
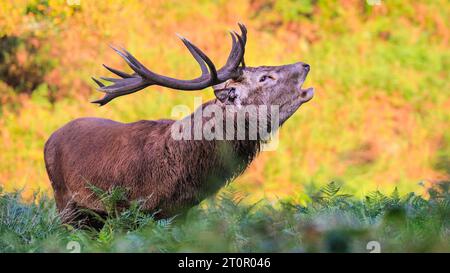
(225, 94)
(221, 94)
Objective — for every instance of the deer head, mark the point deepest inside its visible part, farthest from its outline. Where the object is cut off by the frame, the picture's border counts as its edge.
(268, 85)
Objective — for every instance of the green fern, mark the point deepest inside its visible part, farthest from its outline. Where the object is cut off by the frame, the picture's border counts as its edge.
(329, 194)
(331, 221)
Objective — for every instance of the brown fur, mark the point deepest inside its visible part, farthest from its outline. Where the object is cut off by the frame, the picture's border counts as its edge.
(171, 175)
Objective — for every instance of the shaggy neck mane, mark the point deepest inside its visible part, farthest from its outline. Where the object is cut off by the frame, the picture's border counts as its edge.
(214, 162)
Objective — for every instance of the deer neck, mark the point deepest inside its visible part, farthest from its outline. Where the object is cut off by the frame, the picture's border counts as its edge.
(209, 141)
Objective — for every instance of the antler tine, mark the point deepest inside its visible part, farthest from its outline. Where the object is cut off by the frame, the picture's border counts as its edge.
(230, 70)
(232, 54)
(242, 46)
(244, 38)
(110, 96)
(123, 85)
(202, 58)
(194, 53)
(108, 79)
(117, 72)
(205, 58)
(236, 55)
(243, 32)
(127, 59)
(99, 83)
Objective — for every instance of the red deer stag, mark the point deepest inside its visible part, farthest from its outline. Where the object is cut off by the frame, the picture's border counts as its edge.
(144, 157)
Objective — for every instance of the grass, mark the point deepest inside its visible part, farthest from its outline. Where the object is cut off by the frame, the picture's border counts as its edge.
(325, 220)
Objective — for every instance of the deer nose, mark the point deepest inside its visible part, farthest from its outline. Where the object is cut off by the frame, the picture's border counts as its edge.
(306, 67)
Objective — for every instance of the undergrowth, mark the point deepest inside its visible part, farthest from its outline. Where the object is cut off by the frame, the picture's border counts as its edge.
(330, 221)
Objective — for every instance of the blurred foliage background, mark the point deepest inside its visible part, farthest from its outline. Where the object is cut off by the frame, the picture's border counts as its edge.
(380, 118)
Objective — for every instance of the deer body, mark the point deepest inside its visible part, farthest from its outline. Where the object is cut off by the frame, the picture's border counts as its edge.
(169, 174)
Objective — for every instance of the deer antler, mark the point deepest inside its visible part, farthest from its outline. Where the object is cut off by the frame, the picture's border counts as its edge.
(143, 77)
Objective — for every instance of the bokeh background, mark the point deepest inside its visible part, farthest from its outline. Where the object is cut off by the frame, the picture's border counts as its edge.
(380, 118)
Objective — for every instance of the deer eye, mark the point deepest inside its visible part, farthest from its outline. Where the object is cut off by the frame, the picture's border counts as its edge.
(265, 77)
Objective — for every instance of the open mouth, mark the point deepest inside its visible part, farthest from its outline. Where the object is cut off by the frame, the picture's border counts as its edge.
(306, 94)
